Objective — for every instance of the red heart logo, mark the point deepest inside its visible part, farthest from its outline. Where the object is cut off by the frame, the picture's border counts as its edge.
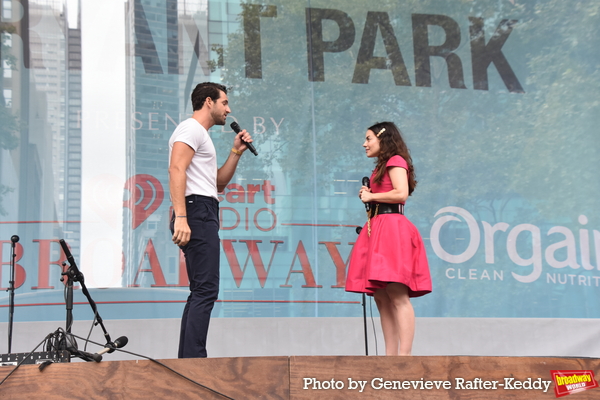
(147, 196)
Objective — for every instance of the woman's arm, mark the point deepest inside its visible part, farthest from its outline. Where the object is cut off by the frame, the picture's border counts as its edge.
(398, 194)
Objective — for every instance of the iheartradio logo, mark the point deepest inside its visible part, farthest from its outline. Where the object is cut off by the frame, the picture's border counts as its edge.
(147, 194)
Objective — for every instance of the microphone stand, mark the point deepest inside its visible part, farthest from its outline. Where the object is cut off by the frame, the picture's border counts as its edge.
(364, 307)
(11, 290)
(73, 274)
(365, 182)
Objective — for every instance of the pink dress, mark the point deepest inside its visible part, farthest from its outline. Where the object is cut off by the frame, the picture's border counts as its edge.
(393, 253)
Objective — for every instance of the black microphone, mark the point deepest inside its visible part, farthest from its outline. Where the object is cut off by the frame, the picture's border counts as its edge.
(366, 182)
(236, 128)
(110, 347)
(14, 239)
(76, 275)
(67, 252)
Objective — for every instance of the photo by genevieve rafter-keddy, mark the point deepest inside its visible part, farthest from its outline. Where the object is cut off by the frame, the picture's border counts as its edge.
(422, 384)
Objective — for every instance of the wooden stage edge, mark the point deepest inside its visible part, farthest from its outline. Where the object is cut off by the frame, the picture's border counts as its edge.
(299, 377)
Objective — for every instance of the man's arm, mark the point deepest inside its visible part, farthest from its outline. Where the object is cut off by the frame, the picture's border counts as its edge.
(225, 173)
(181, 157)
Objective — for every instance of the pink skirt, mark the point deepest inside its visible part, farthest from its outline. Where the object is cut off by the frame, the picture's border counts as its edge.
(393, 253)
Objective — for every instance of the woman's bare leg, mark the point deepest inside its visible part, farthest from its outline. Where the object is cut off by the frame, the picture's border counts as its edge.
(389, 325)
(404, 316)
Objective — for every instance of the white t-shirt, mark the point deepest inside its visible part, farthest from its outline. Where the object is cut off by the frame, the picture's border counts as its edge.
(201, 175)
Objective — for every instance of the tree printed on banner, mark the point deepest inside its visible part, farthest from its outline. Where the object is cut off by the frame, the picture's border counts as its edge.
(502, 147)
(8, 122)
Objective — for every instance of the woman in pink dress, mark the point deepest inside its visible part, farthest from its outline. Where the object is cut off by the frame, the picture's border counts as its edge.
(388, 260)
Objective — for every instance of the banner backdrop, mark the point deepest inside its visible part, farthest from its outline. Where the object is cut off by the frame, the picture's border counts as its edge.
(497, 100)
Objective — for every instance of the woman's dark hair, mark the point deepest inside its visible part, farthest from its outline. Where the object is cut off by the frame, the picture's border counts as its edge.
(391, 144)
(204, 90)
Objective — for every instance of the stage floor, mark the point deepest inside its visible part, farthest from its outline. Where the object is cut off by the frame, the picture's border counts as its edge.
(300, 377)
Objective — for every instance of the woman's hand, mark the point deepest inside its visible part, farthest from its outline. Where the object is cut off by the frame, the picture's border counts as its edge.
(365, 195)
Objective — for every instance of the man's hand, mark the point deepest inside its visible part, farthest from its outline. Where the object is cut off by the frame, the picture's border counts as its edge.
(181, 232)
(240, 138)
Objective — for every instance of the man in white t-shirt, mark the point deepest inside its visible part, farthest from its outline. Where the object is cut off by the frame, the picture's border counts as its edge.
(194, 181)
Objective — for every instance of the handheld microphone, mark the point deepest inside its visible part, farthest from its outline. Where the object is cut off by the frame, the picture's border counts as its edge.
(110, 347)
(236, 128)
(366, 182)
(14, 238)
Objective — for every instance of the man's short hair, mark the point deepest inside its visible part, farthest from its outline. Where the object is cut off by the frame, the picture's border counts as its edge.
(204, 90)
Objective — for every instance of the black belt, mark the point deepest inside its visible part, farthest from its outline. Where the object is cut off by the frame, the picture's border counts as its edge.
(205, 199)
(385, 208)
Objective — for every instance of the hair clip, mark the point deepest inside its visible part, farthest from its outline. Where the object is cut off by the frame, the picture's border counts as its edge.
(381, 131)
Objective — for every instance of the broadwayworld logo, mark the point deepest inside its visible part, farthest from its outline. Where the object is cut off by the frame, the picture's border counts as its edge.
(569, 382)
